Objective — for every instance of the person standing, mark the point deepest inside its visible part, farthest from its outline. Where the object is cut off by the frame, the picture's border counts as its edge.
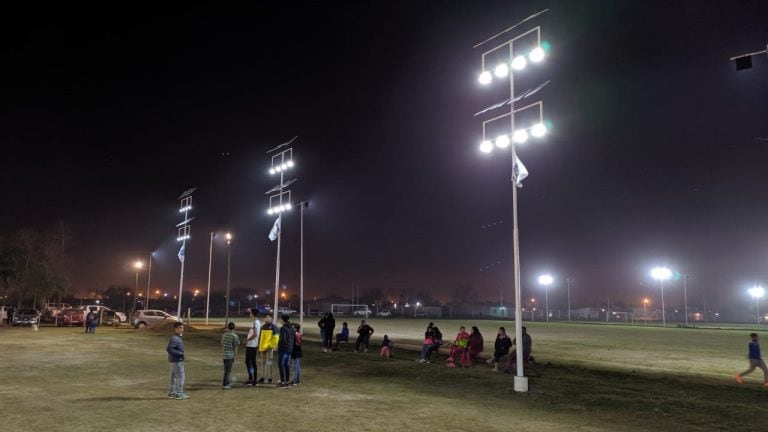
(90, 321)
(175, 350)
(229, 343)
(755, 361)
(386, 348)
(284, 350)
(296, 355)
(364, 333)
(328, 329)
(321, 325)
(252, 347)
(266, 352)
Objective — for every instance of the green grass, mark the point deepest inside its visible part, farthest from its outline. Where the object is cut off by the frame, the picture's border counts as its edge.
(587, 377)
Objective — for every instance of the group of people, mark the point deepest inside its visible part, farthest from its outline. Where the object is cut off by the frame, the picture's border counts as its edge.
(260, 344)
(327, 325)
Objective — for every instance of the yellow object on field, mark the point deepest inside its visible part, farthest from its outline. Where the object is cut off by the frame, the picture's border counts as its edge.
(265, 340)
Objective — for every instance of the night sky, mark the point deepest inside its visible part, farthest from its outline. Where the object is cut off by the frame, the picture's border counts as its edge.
(108, 115)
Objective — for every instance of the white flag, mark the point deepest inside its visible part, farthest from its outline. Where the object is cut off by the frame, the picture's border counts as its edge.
(519, 172)
(275, 231)
(181, 252)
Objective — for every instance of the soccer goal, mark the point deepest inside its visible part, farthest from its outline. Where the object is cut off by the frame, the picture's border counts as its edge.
(362, 311)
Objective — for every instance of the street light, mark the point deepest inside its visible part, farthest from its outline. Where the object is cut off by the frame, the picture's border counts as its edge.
(546, 280)
(228, 237)
(517, 60)
(645, 312)
(138, 265)
(661, 274)
(757, 292)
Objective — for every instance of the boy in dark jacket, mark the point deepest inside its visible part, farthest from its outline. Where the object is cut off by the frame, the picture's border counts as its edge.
(175, 350)
(500, 348)
(284, 350)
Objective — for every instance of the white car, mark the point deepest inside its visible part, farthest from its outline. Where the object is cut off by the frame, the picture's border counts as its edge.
(385, 313)
(285, 311)
(107, 315)
(143, 318)
(362, 312)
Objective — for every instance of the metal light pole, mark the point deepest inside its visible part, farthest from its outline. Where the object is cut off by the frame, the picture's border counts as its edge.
(210, 267)
(279, 202)
(568, 282)
(149, 280)
(138, 265)
(228, 236)
(302, 205)
(757, 292)
(184, 230)
(661, 274)
(645, 312)
(546, 280)
(535, 53)
(685, 297)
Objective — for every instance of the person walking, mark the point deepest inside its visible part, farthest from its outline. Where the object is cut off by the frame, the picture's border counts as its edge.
(175, 350)
(252, 348)
(284, 350)
(755, 361)
(229, 343)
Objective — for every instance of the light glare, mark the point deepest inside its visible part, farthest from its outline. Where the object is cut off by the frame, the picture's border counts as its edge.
(546, 279)
(486, 146)
(536, 55)
(502, 141)
(661, 273)
(501, 70)
(520, 136)
(538, 130)
(485, 78)
(518, 63)
(756, 292)
(290, 164)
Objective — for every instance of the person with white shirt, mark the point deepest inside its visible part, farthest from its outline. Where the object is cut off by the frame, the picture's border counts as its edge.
(252, 347)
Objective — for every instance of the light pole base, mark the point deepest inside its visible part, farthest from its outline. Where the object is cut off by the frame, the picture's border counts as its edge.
(521, 384)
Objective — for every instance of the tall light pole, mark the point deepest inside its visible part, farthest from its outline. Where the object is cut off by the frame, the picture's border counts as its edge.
(138, 265)
(517, 59)
(149, 280)
(757, 292)
(279, 202)
(661, 274)
(210, 268)
(568, 282)
(546, 280)
(228, 236)
(184, 230)
(302, 206)
(645, 311)
(685, 296)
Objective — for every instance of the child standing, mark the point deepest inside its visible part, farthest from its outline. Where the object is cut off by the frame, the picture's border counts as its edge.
(386, 347)
(296, 356)
(755, 361)
(229, 343)
(175, 350)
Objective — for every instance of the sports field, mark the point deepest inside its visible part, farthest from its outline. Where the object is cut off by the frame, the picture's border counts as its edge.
(588, 377)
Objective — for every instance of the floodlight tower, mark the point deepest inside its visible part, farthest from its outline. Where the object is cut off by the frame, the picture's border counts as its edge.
(757, 292)
(184, 230)
(546, 280)
(514, 54)
(279, 202)
(661, 274)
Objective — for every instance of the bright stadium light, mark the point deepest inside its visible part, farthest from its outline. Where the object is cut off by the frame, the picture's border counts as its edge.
(538, 130)
(757, 292)
(520, 136)
(272, 171)
(289, 163)
(536, 55)
(546, 280)
(486, 146)
(485, 78)
(501, 70)
(661, 274)
(502, 141)
(519, 63)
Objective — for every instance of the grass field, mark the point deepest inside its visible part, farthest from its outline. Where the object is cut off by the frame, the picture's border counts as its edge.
(588, 377)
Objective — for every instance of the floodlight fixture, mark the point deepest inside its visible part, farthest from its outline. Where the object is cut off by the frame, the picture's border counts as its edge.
(486, 146)
(501, 70)
(520, 136)
(538, 130)
(661, 273)
(546, 279)
(519, 63)
(536, 55)
(485, 78)
(502, 141)
(756, 292)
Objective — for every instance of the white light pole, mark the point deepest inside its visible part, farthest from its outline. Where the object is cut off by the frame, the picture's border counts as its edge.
(531, 50)
(302, 205)
(685, 296)
(149, 280)
(568, 282)
(645, 311)
(757, 292)
(546, 280)
(138, 265)
(661, 274)
(228, 236)
(210, 267)
(184, 229)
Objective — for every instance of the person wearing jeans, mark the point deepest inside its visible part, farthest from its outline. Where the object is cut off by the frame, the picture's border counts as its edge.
(296, 355)
(284, 350)
(229, 343)
(175, 350)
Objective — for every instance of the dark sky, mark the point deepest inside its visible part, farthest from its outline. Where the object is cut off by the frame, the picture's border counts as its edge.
(107, 115)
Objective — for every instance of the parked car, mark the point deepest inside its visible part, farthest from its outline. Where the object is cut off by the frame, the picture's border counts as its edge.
(71, 317)
(143, 318)
(26, 317)
(385, 313)
(53, 310)
(362, 312)
(107, 316)
(285, 311)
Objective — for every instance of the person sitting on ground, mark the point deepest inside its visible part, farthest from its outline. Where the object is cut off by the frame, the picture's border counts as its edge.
(459, 346)
(364, 332)
(386, 347)
(429, 339)
(527, 348)
(474, 347)
(500, 348)
(344, 335)
(437, 337)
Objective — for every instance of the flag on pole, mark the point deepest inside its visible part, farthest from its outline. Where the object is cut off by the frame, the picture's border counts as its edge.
(181, 252)
(519, 172)
(275, 231)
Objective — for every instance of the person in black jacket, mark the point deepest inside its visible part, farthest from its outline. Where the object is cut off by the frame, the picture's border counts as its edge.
(284, 350)
(364, 333)
(328, 328)
(500, 348)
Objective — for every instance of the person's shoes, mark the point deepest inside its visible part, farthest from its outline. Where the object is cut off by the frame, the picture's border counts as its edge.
(739, 379)
(181, 396)
(269, 381)
(260, 381)
(171, 395)
(249, 382)
(294, 383)
(227, 387)
(427, 361)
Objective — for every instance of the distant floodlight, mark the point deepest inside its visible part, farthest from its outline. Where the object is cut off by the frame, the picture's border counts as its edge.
(284, 167)
(270, 211)
(536, 55)
(486, 146)
(501, 70)
(502, 141)
(288, 206)
(518, 63)
(546, 279)
(272, 171)
(485, 78)
(520, 136)
(278, 168)
(289, 163)
(756, 292)
(538, 130)
(661, 273)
